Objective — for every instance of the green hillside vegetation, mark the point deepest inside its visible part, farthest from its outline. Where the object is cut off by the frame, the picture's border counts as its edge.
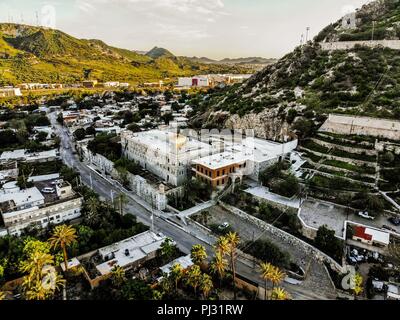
(386, 14)
(362, 81)
(32, 54)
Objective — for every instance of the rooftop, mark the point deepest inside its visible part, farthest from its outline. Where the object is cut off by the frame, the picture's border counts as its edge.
(185, 262)
(24, 154)
(129, 251)
(372, 235)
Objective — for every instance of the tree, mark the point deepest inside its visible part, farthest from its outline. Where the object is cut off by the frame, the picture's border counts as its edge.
(219, 265)
(279, 294)
(134, 127)
(222, 245)
(277, 276)
(328, 243)
(304, 127)
(118, 276)
(358, 285)
(41, 280)
(206, 285)
(394, 253)
(193, 277)
(91, 214)
(233, 241)
(167, 118)
(176, 274)
(205, 215)
(122, 200)
(266, 274)
(80, 134)
(63, 237)
(168, 249)
(198, 254)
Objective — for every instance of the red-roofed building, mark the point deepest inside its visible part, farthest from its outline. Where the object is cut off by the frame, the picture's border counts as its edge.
(371, 236)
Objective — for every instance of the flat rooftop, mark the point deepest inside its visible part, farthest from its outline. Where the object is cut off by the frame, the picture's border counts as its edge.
(222, 160)
(166, 141)
(24, 154)
(129, 251)
(184, 261)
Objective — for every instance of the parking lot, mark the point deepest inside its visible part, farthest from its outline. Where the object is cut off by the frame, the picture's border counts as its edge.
(318, 213)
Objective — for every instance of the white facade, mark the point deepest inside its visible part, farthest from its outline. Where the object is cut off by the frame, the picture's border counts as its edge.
(166, 154)
(8, 92)
(29, 208)
(197, 81)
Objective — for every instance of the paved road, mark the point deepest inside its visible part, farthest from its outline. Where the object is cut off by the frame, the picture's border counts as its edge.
(184, 236)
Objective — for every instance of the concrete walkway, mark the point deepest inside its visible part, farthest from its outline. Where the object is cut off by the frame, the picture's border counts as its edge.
(264, 193)
(196, 209)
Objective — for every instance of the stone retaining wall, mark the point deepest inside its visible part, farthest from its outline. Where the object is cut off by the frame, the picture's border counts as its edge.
(286, 237)
(370, 152)
(347, 45)
(331, 157)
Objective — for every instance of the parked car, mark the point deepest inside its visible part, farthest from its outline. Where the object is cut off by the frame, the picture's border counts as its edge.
(388, 228)
(395, 221)
(223, 226)
(365, 215)
(59, 181)
(48, 190)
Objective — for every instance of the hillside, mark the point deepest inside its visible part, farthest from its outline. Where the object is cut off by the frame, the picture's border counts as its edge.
(310, 83)
(235, 61)
(34, 54)
(157, 52)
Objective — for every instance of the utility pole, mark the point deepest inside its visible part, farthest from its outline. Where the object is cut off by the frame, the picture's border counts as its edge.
(91, 181)
(373, 29)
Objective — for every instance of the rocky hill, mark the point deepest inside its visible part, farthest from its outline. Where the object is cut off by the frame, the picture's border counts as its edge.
(35, 54)
(300, 89)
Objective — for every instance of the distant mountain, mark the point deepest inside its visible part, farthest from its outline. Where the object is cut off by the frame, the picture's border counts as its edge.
(36, 54)
(249, 60)
(236, 61)
(157, 52)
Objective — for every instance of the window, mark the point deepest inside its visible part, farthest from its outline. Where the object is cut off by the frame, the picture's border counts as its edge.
(218, 182)
(223, 172)
(223, 181)
(218, 173)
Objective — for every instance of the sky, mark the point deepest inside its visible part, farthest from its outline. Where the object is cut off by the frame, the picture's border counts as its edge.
(212, 28)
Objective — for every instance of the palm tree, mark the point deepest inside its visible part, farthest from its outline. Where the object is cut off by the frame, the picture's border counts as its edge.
(176, 274)
(118, 276)
(63, 237)
(277, 276)
(233, 241)
(358, 285)
(222, 245)
(206, 285)
(198, 254)
(168, 248)
(92, 211)
(279, 294)
(266, 272)
(219, 266)
(193, 277)
(42, 280)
